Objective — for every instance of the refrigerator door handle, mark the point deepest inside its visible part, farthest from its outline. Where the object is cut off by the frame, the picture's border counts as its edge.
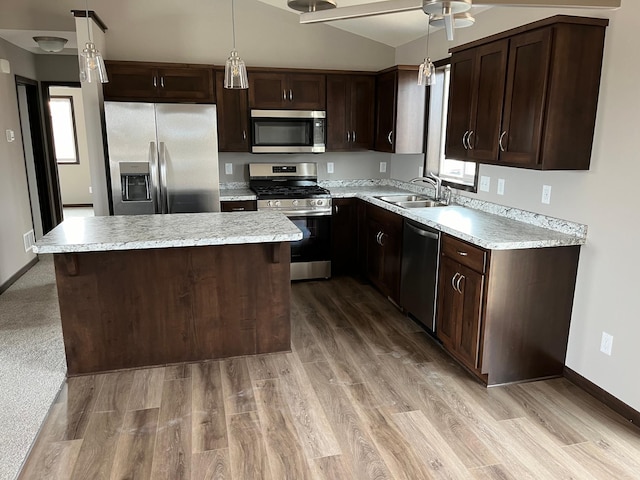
(153, 164)
(163, 179)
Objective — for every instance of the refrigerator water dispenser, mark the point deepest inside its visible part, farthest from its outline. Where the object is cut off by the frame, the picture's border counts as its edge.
(136, 183)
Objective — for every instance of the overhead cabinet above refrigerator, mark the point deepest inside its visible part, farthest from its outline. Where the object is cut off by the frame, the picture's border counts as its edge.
(163, 158)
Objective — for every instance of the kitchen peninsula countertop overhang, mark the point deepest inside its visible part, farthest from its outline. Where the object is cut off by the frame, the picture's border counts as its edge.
(136, 232)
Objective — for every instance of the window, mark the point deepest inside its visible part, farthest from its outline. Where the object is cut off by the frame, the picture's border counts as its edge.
(63, 124)
(455, 173)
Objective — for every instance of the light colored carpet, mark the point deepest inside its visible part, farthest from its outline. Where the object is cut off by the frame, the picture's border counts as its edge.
(32, 361)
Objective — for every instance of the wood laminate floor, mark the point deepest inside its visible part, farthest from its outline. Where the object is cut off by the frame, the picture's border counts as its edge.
(365, 394)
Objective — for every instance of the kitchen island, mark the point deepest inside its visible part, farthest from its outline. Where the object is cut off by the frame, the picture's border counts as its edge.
(159, 289)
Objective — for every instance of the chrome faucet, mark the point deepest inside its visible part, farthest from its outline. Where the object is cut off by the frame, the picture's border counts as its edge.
(433, 180)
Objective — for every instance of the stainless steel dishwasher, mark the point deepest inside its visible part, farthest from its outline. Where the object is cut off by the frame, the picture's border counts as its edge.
(419, 273)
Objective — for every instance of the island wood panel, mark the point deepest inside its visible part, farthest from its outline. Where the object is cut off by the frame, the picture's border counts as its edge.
(134, 308)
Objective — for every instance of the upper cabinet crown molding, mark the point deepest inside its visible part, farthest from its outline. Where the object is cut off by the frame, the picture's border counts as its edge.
(528, 97)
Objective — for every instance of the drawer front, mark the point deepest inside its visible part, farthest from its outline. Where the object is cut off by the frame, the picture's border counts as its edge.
(464, 253)
(238, 206)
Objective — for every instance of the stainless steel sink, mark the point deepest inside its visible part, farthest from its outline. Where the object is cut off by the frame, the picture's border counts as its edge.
(403, 198)
(419, 204)
(411, 201)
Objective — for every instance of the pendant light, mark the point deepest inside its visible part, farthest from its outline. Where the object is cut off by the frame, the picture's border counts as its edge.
(427, 72)
(235, 71)
(91, 63)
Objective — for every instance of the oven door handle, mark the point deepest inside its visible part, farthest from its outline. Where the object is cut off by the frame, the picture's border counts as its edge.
(300, 213)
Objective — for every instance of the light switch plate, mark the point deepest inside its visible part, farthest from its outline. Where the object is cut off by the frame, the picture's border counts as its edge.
(5, 66)
(546, 194)
(11, 136)
(383, 167)
(228, 168)
(485, 184)
(606, 344)
(501, 186)
(329, 167)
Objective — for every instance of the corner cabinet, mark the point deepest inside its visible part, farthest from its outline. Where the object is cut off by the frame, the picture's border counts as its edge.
(528, 97)
(400, 111)
(287, 90)
(233, 117)
(159, 82)
(350, 112)
(505, 314)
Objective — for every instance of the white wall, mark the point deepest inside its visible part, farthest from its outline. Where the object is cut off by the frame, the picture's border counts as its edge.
(604, 198)
(15, 214)
(75, 178)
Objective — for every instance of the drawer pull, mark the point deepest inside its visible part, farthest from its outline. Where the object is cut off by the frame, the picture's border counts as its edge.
(462, 254)
(237, 209)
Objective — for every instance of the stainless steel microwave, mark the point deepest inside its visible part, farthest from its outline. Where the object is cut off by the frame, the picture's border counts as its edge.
(288, 131)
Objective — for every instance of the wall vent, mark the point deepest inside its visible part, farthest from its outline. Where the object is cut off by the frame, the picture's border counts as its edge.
(29, 240)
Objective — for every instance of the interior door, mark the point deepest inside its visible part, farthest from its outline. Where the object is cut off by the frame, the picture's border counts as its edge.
(188, 158)
(131, 139)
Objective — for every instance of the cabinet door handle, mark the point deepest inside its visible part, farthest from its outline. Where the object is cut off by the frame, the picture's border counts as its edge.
(500, 140)
(162, 82)
(244, 134)
(290, 95)
(453, 281)
(284, 95)
(382, 239)
(378, 238)
(348, 136)
(336, 208)
(155, 82)
(460, 278)
(469, 140)
(461, 253)
(389, 137)
(353, 135)
(464, 140)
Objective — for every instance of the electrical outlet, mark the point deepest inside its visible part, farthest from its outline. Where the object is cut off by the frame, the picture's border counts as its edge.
(228, 168)
(606, 344)
(421, 171)
(383, 167)
(485, 184)
(11, 136)
(501, 186)
(329, 167)
(546, 194)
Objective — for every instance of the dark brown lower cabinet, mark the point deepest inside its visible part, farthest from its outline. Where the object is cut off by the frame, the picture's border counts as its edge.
(344, 236)
(382, 244)
(238, 205)
(505, 314)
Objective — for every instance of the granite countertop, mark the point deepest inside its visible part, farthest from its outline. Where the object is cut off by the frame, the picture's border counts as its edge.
(486, 230)
(135, 232)
(234, 194)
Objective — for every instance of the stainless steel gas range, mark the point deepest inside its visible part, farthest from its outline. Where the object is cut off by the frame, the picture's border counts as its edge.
(292, 188)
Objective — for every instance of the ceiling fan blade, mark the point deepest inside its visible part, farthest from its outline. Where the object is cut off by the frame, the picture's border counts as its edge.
(607, 4)
(363, 10)
(395, 6)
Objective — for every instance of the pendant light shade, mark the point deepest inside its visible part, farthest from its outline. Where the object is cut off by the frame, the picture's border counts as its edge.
(427, 71)
(235, 71)
(92, 67)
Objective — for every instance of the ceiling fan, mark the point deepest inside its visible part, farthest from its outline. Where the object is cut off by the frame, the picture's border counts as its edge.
(447, 13)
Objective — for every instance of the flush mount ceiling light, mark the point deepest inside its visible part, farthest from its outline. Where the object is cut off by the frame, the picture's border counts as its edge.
(51, 44)
(91, 63)
(311, 5)
(235, 71)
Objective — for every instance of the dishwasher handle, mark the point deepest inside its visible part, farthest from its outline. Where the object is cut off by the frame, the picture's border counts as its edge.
(421, 232)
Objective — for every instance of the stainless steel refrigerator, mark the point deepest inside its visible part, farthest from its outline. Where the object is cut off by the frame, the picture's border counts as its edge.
(163, 158)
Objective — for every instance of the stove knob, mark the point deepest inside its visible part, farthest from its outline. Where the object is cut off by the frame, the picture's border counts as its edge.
(268, 203)
(277, 203)
(320, 202)
(295, 203)
(312, 203)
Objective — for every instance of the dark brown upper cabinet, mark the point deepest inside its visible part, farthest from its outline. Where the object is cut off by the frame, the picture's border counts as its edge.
(400, 111)
(233, 117)
(350, 112)
(287, 90)
(528, 97)
(159, 82)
